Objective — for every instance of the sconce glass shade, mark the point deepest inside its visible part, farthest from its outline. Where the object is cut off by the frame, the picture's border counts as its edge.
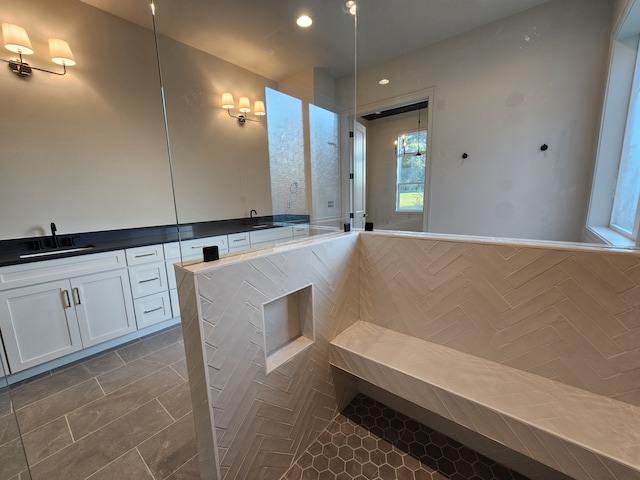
(16, 39)
(258, 108)
(227, 101)
(244, 105)
(61, 52)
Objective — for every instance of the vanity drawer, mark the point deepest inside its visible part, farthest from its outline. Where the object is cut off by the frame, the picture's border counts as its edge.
(152, 309)
(195, 246)
(238, 241)
(140, 255)
(300, 231)
(148, 279)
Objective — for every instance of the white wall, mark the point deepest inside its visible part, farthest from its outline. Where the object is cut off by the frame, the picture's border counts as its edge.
(502, 91)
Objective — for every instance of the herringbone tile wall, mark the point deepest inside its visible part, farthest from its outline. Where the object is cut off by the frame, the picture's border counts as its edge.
(263, 421)
(568, 314)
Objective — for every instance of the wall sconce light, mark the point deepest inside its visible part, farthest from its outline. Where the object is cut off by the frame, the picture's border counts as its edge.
(245, 107)
(17, 41)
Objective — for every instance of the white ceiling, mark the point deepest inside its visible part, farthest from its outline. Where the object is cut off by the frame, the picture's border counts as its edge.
(261, 35)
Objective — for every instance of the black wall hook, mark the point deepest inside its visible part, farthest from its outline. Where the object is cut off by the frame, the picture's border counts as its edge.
(464, 155)
(544, 147)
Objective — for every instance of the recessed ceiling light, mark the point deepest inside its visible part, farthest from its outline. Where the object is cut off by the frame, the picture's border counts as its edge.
(304, 21)
(384, 81)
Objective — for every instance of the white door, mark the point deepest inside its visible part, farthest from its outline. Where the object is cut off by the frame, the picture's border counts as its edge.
(104, 306)
(359, 175)
(38, 324)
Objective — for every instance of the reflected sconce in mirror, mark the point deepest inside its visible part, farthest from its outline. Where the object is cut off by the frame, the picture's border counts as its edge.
(244, 106)
(16, 40)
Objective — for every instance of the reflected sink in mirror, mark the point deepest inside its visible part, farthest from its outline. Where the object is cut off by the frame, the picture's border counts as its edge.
(50, 253)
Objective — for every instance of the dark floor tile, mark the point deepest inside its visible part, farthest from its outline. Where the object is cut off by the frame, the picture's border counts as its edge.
(42, 387)
(52, 407)
(177, 401)
(150, 344)
(370, 441)
(181, 367)
(102, 363)
(12, 459)
(128, 466)
(47, 440)
(99, 413)
(188, 471)
(102, 447)
(170, 448)
(8, 428)
(167, 355)
(129, 373)
(5, 402)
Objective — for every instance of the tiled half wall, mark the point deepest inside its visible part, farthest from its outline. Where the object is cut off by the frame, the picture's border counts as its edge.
(262, 422)
(571, 314)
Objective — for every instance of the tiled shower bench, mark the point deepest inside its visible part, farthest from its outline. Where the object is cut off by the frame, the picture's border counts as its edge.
(579, 433)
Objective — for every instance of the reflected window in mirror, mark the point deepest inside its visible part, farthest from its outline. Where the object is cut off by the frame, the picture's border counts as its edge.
(411, 162)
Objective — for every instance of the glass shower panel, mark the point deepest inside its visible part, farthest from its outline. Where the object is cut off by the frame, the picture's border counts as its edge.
(13, 460)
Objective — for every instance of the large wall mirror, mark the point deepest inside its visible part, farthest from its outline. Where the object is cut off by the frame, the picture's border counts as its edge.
(502, 100)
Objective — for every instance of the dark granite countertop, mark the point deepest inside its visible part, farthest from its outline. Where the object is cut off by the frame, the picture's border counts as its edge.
(12, 251)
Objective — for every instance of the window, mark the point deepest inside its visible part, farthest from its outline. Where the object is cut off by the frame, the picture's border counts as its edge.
(411, 151)
(625, 214)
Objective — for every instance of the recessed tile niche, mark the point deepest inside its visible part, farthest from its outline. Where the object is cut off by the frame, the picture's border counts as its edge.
(288, 326)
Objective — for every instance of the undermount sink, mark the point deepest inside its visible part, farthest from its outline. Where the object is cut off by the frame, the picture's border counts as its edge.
(50, 253)
(262, 225)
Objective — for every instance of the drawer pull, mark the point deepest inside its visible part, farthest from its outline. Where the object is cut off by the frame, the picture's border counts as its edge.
(68, 300)
(244, 239)
(152, 310)
(149, 280)
(145, 255)
(76, 295)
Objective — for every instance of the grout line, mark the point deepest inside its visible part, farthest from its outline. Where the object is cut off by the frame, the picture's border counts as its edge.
(144, 462)
(177, 373)
(73, 440)
(121, 359)
(195, 456)
(163, 407)
(100, 385)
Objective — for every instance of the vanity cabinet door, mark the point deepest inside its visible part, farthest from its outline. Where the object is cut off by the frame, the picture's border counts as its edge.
(104, 306)
(38, 324)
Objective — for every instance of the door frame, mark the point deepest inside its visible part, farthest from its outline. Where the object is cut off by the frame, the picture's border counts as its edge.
(393, 102)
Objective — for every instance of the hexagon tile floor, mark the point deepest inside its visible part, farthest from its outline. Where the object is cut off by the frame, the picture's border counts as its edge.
(370, 441)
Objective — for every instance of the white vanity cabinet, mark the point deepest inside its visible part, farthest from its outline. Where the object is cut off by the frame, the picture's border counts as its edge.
(149, 284)
(268, 236)
(52, 308)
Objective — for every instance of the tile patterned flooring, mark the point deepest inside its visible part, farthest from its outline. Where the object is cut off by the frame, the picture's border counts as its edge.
(126, 413)
(370, 441)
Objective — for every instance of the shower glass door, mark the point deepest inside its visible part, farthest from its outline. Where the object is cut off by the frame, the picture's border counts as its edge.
(13, 461)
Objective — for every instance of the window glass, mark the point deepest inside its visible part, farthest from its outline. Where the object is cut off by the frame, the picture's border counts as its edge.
(624, 215)
(411, 161)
